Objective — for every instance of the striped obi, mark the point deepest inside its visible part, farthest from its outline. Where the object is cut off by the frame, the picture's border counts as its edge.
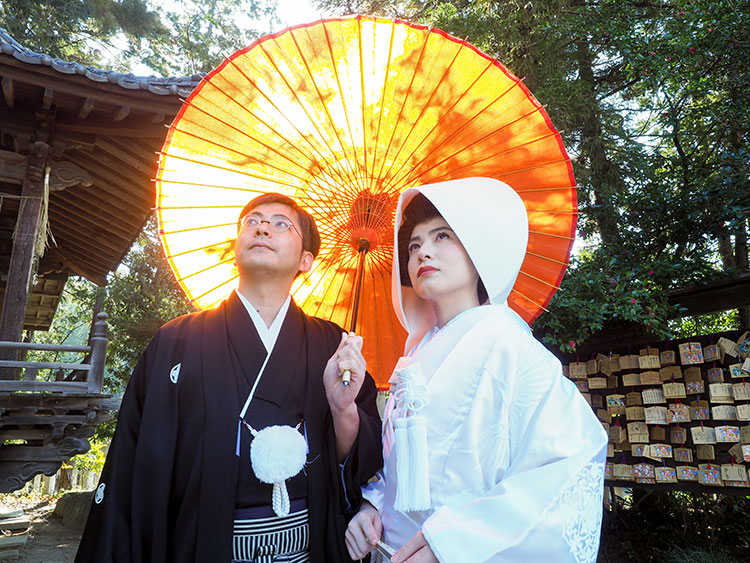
(259, 536)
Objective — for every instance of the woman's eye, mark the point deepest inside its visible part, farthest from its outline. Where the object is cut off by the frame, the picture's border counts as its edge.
(413, 247)
(442, 235)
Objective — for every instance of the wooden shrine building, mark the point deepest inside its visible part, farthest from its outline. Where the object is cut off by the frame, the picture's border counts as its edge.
(77, 154)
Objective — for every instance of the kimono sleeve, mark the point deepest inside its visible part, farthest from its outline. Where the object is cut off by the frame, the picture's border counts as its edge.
(366, 456)
(109, 527)
(547, 505)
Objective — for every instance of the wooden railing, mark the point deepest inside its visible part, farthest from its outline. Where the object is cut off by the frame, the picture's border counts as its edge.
(92, 365)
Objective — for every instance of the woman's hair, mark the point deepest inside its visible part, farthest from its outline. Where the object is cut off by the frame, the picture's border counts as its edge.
(418, 211)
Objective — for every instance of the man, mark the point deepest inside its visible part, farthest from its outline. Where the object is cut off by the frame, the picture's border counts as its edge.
(178, 484)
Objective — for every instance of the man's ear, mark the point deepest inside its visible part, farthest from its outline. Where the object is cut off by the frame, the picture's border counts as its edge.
(305, 262)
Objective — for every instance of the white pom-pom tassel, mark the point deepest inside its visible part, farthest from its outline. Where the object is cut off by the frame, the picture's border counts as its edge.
(413, 485)
(278, 453)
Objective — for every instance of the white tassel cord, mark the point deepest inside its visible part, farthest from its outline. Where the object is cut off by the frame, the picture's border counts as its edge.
(413, 484)
(280, 502)
(419, 470)
(410, 437)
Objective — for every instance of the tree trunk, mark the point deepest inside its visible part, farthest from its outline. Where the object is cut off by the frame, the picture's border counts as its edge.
(603, 176)
(737, 131)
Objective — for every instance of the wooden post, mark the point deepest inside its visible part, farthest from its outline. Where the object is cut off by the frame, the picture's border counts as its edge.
(22, 255)
(98, 343)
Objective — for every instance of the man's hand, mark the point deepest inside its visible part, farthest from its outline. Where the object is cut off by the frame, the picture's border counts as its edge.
(416, 550)
(348, 356)
(363, 531)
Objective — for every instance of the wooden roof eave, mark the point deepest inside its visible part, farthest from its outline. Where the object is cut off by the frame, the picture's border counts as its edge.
(73, 84)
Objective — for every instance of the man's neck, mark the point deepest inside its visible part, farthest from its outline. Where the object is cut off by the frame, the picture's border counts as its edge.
(266, 298)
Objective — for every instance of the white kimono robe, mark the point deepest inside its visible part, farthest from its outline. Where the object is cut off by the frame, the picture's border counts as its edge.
(516, 455)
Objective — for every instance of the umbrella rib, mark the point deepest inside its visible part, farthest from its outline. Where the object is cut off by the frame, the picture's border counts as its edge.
(248, 156)
(243, 133)
(358, 173)
(424, 108)
(384, 89)
(181, 207)
(214, 245)
(258, 118)
(250, 113)
(333, 169)
(508, 172)
(323, 275)
(542, 165)
(227, 261)
(447, 112)
(202, 185)
(553, 211)
(197, 228)
(547, 189)
(401, 110)
(482, 139)
(322, 103)
(362, 104)
(341, 286)
(547, 258)
(194, 299)
(539, 280)
(550, 235)
(294, 94)
(514, 290)
(242, 172)
(417, 68)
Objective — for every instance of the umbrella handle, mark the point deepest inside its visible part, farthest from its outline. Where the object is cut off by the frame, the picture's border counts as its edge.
(346, 377)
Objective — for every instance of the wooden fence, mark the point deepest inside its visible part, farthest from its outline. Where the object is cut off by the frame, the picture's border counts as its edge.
(92, 365)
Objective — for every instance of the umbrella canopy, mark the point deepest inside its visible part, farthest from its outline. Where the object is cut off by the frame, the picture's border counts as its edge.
(342, 115)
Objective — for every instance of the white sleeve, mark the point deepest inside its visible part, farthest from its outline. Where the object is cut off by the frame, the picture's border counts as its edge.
(374, 492)
(548, 504)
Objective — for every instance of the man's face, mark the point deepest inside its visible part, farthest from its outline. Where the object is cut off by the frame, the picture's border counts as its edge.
(262, 250)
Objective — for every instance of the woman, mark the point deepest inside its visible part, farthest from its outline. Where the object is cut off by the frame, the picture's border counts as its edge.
(490, 453)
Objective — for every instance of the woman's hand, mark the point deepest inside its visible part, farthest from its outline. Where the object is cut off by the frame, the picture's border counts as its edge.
(416, 550)
(363, 531)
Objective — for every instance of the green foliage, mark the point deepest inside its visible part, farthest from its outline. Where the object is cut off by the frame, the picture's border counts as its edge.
(182, 38)
(676, 526)
(602, 288)
(651, 98)
(202, 33)
(77, 29)
(140, 296)
(93, 460)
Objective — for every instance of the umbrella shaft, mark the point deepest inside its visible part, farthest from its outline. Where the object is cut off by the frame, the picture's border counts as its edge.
(363, 248)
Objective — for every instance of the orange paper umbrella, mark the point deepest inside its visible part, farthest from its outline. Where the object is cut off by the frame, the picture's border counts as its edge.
(342, 115)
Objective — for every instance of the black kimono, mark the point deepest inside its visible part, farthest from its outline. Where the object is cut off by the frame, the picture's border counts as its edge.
(169, 485)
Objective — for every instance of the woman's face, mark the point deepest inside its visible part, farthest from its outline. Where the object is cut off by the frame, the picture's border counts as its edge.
(439, 267)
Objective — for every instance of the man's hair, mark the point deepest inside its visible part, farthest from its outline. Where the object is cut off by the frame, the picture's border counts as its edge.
(418, 211)
(304, 221)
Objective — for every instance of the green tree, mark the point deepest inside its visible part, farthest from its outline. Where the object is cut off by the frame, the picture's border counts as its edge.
(651, 98)
(78, 29)
(187, 37)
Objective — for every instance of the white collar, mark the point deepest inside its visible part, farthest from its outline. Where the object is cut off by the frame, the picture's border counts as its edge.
(268, 334)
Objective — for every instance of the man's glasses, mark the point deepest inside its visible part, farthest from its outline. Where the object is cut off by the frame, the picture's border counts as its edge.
(278, 223)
